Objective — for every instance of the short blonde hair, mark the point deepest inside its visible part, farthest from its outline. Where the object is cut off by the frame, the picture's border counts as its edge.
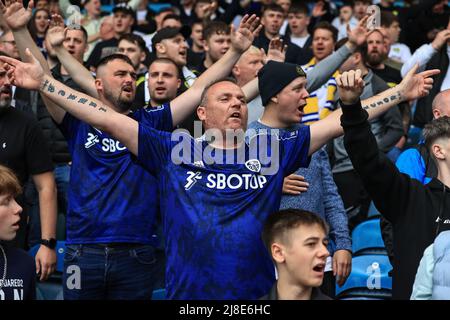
(252, 49)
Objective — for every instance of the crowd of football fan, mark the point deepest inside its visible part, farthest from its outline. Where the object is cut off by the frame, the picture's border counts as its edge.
(92, 101)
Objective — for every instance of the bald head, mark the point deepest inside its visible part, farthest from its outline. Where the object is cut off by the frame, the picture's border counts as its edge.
(441, 104)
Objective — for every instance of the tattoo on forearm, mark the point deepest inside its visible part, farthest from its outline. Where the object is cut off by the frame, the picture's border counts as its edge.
(49, 87)
(382, 101)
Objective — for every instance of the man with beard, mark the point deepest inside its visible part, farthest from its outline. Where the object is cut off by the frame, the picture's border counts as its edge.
(24, 150)
(377, 54)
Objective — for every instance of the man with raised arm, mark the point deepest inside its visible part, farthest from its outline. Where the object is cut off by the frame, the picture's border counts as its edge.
(112, 201)
(417, 212)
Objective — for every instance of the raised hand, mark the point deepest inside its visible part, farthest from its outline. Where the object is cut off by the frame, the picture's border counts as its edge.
(14, 13)
(242, 38)
(358, 35)
(350, 86)
(415, 86)
(27, 75)
(210, 9)
(318, 9)
(277, 51)
(441, 38)
(56, 31)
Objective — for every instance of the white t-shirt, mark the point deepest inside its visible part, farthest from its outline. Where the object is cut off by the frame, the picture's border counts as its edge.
(283, 27)
(299, 41)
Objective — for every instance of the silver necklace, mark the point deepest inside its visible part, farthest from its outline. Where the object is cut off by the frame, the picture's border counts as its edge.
(4, 267)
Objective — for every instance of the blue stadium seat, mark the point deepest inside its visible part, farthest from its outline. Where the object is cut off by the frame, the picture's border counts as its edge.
(369, 279)
(373, 211)
(367, 239)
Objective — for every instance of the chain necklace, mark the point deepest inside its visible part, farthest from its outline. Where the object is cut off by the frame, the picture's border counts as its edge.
(4, 267)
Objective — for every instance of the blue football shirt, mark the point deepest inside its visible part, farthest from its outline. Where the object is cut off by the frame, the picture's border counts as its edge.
(110, 198)
(213, 213)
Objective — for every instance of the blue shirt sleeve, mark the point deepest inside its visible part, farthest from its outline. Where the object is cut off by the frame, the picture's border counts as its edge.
(295, 148)
(159, 117)
(69, 126)
(411, 163)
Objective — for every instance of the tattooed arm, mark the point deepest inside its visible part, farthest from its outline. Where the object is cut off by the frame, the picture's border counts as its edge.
(99, 114)
(412, 87)
(92, 111)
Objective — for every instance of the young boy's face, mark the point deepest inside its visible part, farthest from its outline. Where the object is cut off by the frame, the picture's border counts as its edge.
(9, 217)
(306, 254)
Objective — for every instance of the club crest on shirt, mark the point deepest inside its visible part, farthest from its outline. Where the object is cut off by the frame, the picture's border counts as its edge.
(253, 165)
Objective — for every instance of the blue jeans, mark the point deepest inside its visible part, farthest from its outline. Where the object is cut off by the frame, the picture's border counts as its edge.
(93, 272)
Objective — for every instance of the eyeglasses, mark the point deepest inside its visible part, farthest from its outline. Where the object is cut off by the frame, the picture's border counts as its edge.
(12, 42)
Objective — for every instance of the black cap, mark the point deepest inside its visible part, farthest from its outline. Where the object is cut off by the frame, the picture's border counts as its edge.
(125, 8)
(274, 76)
(169, 33)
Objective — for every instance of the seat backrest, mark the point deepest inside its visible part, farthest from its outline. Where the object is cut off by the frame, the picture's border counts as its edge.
(366, 238)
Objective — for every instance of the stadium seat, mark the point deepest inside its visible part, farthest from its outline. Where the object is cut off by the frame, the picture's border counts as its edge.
(367, 239)
(369, 279)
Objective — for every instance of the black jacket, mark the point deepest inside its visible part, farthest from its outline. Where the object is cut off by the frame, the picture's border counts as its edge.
(411, 207)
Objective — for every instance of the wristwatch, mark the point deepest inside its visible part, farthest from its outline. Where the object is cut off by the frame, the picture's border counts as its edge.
(50, 243)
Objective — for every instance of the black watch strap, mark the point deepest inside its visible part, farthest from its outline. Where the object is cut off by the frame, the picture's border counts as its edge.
(50, 243)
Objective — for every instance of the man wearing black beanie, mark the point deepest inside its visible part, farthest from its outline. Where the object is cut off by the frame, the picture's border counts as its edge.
(275, 76)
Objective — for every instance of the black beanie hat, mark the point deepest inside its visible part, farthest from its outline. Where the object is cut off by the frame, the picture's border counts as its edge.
(274, 76)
